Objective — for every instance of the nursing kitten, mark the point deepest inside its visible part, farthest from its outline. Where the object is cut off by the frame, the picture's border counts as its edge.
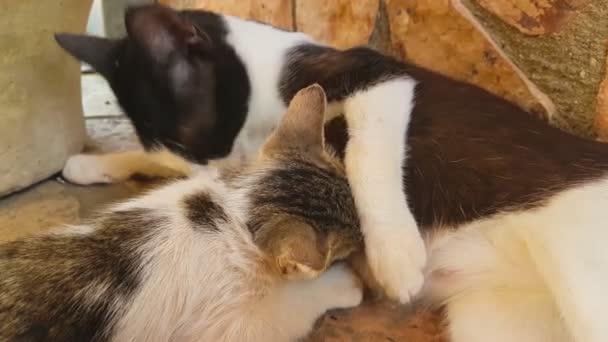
(206, 86)
(231, 257)
(513, 209)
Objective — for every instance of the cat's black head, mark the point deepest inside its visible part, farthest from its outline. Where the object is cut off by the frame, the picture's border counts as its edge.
(177, 79)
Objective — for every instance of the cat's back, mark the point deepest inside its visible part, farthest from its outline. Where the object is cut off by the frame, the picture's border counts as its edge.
(128, 273)
(473, 154)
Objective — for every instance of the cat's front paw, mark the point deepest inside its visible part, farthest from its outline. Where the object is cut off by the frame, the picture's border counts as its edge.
(396, 255)
(344, 288)
(84, 169)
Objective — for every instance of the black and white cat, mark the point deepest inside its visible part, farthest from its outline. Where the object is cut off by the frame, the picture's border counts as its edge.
(241, 255)
(527, 262)
(207, 86)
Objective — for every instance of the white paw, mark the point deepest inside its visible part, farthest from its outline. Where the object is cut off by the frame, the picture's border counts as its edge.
(86, 169)
(396, 255)
(344, 289)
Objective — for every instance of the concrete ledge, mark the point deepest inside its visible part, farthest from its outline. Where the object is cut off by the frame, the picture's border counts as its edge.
(41, 120)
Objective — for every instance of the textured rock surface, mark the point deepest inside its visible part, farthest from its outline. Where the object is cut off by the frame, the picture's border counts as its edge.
(601, 119)
(435, 34)
(41, 111)
(341, 23)
(533, 17)
(276, 12)
(567, 65)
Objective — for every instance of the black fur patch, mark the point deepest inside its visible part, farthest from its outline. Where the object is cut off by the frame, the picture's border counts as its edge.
(203, 211)
(42, 279)
(221, 94)
(340, 73)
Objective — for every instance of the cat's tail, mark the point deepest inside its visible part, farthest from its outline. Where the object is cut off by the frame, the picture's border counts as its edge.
(491, 288)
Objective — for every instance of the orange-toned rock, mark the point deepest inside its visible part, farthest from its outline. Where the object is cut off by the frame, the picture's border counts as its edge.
(601, 119)
(442, 35)
(278, 13)
(380, 322)
(532, 16)
(341, 23)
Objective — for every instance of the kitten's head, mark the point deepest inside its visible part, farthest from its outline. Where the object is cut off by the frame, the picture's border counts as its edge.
(165, 76)
(303, 214)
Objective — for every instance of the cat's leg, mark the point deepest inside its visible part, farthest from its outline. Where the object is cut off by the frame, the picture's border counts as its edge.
(294, 307)
(377, 119)
(116, 167)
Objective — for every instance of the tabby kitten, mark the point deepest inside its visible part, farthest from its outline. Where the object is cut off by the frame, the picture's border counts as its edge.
(225, 257)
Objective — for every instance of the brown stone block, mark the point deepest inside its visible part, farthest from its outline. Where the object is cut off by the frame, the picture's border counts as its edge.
(278, 13)
(274, 12)
(443, 36)
(533, 17)
(601, 119)
(341, 23)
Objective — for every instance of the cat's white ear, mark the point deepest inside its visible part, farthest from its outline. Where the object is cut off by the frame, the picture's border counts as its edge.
(95, 51)
(302, 126)
(161, 31)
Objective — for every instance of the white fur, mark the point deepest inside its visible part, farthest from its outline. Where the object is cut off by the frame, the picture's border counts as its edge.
(263, 50)
(537, 275)
(378, 118)
(200, 286)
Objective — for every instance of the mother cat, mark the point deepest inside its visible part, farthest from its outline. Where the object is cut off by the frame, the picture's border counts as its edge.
(527, 261)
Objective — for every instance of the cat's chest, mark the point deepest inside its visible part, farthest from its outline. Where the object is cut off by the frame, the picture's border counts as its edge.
(260, 122)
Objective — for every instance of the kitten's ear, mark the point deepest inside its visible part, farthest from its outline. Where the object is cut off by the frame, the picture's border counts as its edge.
(161, 31)
(95, 51)
(293, 247)
(302, 126)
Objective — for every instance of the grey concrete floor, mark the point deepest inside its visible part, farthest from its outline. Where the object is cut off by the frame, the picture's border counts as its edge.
(54, 202)
(97, 98)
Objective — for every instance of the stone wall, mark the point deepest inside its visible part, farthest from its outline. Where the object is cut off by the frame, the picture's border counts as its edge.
(548, 56)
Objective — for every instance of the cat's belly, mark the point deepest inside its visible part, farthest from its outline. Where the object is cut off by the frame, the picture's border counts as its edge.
(532, 275)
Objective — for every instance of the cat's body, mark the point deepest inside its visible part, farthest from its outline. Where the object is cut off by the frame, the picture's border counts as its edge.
(527, 199)
(206, 86)
(211, 258)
